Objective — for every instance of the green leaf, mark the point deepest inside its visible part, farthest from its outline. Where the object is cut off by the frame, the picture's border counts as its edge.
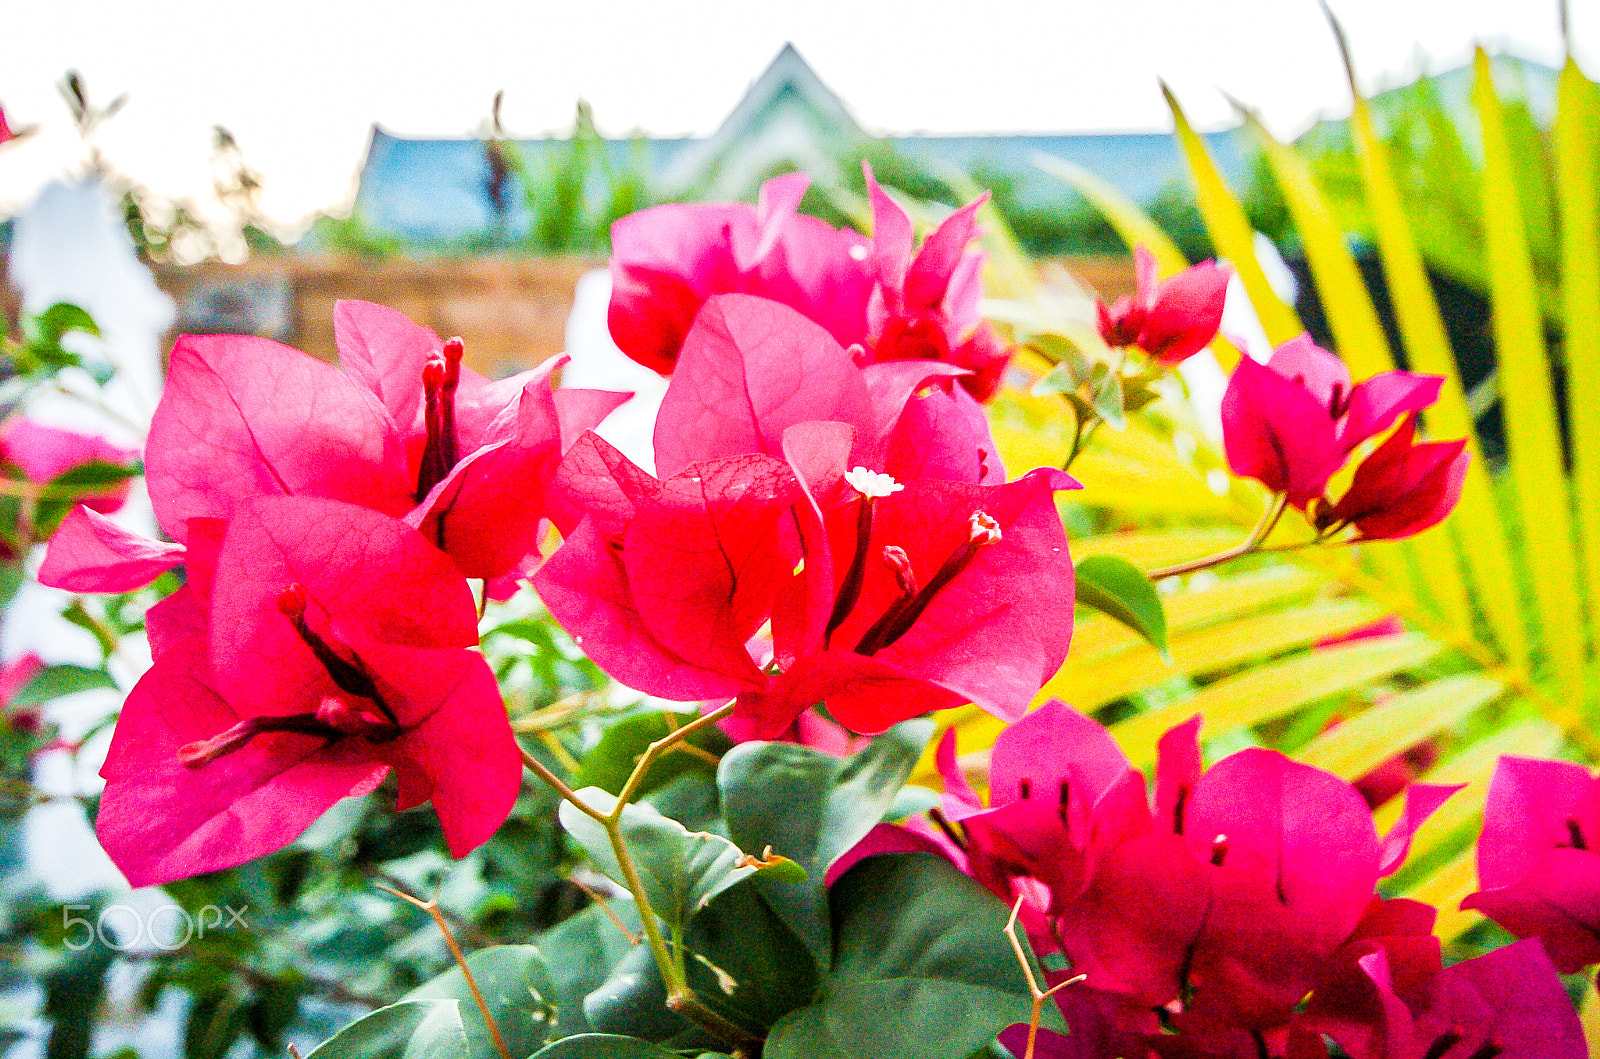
(745, 962)
(1533, 436)
(581, 951)
(411, 1029)
(1105, 387)
(518, 989)
(921, 968)
(812, 807)
(603, 1046)
(612, 759)
(633, 1003)
(680, 869)
(54, 682)
(1118, 589)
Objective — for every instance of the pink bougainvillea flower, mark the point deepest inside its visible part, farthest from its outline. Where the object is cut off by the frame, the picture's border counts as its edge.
(1402, 488)
(1291, 423)
(95, 470)
(1232, 892)
(1172, 320)
(405, 430)
(1538, 859)
(44, 454)
(926, 302)
(1061, 794)
(751, 368)
(6, 135)
(1506, 1004)
(667, 260)
(1101, 1025)
(316, 647)
(893, 598)
(14, 676)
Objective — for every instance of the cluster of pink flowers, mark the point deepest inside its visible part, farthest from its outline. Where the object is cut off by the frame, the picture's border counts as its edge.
(882, 298)
(828, 524)
(1293, 422)
(848, 499)
(326, 521)
(1235, 914)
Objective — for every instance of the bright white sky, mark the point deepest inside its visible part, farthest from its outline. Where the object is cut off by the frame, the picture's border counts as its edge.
(300, 82)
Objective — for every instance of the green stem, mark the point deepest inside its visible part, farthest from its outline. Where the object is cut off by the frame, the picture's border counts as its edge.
(669, 960)
(1251, 543)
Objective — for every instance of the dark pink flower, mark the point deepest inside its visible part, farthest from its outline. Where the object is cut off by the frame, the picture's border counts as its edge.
(405, 430)
(14, 676)
(6, 134)
(751, 368)
(44, 453)
(667, 260)
(1291, 423)
(316, 647)
(926, 302)
(1505, 1004)
(1538, 863)
(1402, 488)
(1172, 320)
(1232, 892)
(887, 599)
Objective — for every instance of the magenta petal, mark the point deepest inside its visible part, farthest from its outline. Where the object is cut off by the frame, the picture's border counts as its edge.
(997, 632)
(892, 236)
(775, 205)
(579, 410)
(1558, 903)
(1276, 432)
(161, 821)
(383, 349)
(944, 434)
(883, 838)
(1178, 768)
(929, 276)
(1320, 372)
(1187, 313)
(596, 481)
(91, 553)
(245, 417)
(43, 452)
(866, 695)
(1511, 998)
(1377, 403)
(1532, 806)
(1422, 800)
(584, 587)
(366, 577)
(705, 562)
(749, 369)
(1050, 748)
(458, 751)
(959, 800)
(818, 454)
(1304, 834)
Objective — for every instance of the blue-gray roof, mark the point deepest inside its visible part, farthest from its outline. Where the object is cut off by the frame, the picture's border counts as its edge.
(436, 191)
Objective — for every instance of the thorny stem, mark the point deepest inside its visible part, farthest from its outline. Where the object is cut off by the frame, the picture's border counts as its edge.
(680, 998)
(1039, 995)
(1252, 543)
(431, 906)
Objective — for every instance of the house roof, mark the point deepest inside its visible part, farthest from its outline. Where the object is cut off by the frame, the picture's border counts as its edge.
(436, 191)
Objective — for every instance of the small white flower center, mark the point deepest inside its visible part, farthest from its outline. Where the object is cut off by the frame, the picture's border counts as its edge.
(871, 483)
